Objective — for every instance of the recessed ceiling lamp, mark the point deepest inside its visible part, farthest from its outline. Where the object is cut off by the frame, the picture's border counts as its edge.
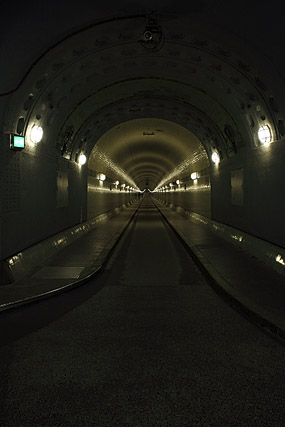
(264, 134)
(36, 133)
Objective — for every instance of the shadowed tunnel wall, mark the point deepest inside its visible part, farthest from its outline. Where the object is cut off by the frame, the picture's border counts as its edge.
(102, 197)
(78, 85)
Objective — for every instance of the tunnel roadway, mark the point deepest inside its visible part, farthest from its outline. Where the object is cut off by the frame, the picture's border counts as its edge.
(146, 343)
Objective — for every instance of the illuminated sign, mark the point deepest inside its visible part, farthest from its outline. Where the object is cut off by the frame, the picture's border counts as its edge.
(17, 142)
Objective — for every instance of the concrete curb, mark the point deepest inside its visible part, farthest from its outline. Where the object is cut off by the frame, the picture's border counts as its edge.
(21, 264)
(96, 269)
(223, 288)
(51, 293)
(270, 254)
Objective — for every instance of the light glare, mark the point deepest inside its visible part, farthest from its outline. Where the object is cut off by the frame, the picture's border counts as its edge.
(194, 175)
(82, 159)
(36, 133)
(280, 259)
(215, 157)
(264, 134)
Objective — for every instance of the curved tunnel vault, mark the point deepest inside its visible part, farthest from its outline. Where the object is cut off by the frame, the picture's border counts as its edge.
(146, 113)
(147, 150)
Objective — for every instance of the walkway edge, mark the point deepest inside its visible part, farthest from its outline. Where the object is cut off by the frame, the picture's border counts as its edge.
(51, 293)
(19, 265)
(96, 269)
(223, 288)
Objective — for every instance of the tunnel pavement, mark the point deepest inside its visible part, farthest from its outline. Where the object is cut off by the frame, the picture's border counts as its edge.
(152, 345)
(247, 283)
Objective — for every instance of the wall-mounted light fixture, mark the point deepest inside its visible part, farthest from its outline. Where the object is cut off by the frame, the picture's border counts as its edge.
(117, 182)
(36, 133)
(102, 177)
(82, 159)
(177, 181)
(215, 157)
(194, 175)
(264, 134)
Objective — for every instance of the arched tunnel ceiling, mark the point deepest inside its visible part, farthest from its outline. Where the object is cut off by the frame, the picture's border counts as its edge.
(147, 150)
(152, 97)
(197, 75)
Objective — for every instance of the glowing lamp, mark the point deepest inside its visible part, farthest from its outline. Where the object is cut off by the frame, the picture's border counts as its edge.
(36, 133)
(215, 157)
(194, 175)
(82, 159)
(102, 177)
(264, 134)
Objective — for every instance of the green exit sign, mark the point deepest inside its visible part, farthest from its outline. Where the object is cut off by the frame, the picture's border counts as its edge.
(17, 142)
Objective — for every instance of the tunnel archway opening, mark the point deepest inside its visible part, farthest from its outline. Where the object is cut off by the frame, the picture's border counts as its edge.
(99, 77)
(153, 154)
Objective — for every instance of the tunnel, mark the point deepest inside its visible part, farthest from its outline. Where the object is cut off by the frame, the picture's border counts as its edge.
(158, 110)
(126, 110)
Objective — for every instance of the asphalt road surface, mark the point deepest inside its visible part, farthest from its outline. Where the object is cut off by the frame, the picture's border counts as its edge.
(147, 343)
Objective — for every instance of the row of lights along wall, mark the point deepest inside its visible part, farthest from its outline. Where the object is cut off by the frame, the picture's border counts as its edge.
(194, 177)
(36, 135)
(102, 177)
(264, 136)
(17, 142)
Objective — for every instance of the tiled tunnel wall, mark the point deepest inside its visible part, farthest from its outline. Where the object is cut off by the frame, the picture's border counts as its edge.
(101, 199)
(198, 200)
(246, 193)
